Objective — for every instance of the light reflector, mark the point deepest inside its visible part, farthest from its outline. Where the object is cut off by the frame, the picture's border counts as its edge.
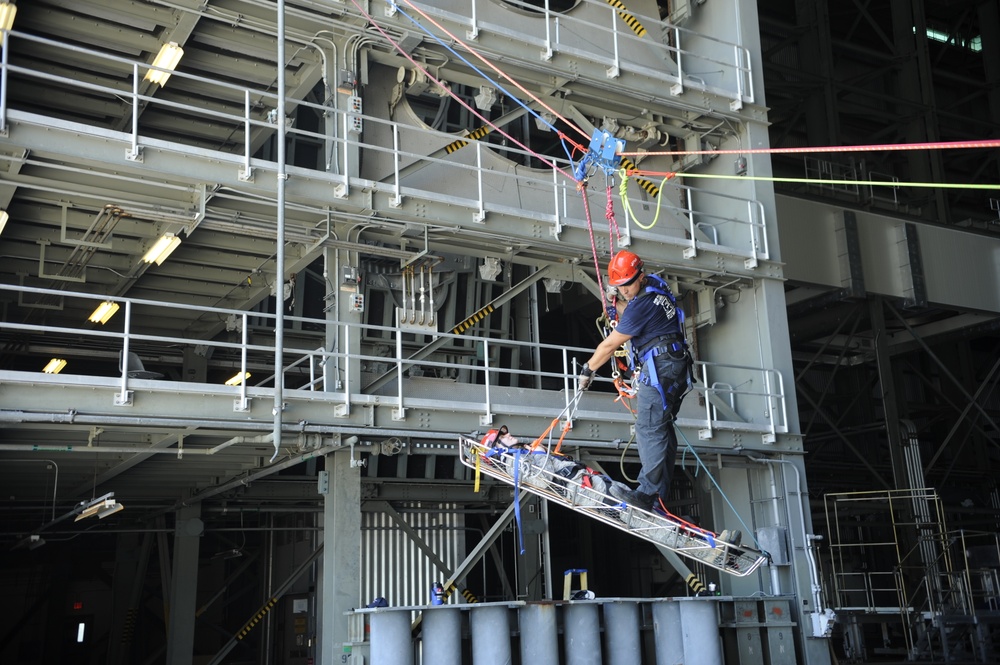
(162, 248)
(238, 378)
(55, 366)
(104, 312)
(168, 57)
(7, 13)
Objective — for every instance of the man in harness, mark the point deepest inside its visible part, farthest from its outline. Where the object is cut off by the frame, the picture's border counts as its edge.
(651, 321)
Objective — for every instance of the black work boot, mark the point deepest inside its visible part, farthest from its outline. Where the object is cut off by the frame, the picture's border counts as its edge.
(633, 497)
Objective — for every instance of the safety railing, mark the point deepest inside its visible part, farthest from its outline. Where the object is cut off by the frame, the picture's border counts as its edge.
(543, 195)
(608, 34)
(312, 373)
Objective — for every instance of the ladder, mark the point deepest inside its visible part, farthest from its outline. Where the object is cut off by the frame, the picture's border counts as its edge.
(536, 472)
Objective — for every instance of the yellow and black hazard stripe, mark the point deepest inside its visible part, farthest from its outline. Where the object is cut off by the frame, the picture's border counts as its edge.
(468, 595)
(461, 143)
(256, 618)
(630, 20)
(647, 185)
(694, 583)
(472, 320)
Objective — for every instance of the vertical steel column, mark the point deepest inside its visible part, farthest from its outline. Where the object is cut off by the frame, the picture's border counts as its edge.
(442, 635)
(667, 636)
(622, 632)
(490, 635)
(539, 634)
(888, 393)
(582, 633)
(391, 643)
(700, 622)
(341, 569)
(184, 585)
(686, 632)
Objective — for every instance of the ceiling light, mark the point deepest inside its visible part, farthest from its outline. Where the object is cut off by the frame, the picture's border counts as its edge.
(94, 506)
(110, 510)
(162, 248)
(55, 366)
(3, 213)
(486, 98)
(104, 312)
(238, 378)
(7, 12)
(168, 57)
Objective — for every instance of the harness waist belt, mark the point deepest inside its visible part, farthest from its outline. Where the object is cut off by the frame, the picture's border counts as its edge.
(659, 341)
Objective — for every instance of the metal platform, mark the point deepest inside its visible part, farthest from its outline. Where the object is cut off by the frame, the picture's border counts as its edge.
(537, 471)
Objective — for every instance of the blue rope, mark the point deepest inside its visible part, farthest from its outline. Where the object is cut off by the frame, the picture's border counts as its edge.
(746, 528)
(480, 72)
(517, 497)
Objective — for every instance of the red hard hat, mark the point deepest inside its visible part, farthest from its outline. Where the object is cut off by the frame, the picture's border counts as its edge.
(623, 268)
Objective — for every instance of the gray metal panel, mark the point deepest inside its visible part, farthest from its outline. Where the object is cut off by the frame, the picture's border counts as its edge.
(395, 568)
(960, 268)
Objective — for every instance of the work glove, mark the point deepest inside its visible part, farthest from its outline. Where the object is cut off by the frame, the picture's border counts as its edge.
(586, 376)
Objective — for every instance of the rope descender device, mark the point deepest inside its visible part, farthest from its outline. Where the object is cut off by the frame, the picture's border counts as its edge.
(603, 153)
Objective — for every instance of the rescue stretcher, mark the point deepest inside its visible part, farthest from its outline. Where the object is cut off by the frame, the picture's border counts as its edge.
(545, 473)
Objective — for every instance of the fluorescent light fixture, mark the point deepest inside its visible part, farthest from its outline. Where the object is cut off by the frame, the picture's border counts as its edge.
(238, 378)
(7, 13)
(95, 507)
(162, 248)
(55, 366)
(168, 57)
(104, 312)
(110, 510)
(3, 217)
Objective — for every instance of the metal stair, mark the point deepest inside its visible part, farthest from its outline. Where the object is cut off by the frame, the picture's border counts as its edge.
(532, 470)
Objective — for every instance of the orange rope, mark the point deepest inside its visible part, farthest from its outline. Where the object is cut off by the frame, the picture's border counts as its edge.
(538, 442)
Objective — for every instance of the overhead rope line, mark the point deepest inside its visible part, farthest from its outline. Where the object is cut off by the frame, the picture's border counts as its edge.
(881, 147)
(820, 181)
(627, 206)
(458, 99)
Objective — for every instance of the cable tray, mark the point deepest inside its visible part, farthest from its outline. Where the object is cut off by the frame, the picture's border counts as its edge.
(534, 471)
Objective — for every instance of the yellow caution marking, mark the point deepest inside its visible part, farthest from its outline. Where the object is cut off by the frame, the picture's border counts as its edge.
(461, 143)
(256, 618)
(647, 185)
(629, 20)
(694, 583)
(472, 320)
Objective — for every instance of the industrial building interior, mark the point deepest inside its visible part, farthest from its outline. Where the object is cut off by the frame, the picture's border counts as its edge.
(394, 243)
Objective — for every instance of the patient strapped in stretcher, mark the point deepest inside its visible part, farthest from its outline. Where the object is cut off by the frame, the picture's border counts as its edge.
(552, 471)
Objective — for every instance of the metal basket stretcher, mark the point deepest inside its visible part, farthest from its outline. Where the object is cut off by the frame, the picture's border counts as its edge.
(544, 473)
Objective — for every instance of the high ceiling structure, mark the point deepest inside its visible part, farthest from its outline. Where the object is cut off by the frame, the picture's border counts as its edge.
(893, 372)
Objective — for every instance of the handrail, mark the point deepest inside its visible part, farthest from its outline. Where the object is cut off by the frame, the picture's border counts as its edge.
(761, 394)
(546, 204)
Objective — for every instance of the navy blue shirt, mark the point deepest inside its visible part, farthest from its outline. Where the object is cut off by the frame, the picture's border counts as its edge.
(649, 316)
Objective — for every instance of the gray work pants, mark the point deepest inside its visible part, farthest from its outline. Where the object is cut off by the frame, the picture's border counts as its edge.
(654, 423)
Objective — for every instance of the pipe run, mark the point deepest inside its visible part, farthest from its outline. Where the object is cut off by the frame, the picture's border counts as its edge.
(807, 538)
